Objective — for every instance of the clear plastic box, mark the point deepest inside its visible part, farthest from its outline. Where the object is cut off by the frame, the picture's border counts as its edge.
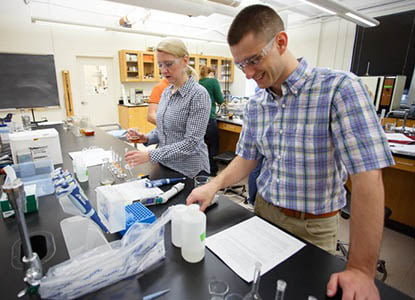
(37, 172)
(110, 208)
(81, 235)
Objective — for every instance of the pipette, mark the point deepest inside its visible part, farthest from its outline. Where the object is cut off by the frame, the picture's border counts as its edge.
(164, 181)
(163, 198)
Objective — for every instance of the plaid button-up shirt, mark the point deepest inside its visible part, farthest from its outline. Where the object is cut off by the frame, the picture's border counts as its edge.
(323, 127)
(182, 120)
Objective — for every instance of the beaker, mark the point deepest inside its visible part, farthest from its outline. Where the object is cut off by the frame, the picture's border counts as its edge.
(106, 176)
(200, 180)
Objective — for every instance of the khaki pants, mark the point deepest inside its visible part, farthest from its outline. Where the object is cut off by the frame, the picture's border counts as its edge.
(321, 232)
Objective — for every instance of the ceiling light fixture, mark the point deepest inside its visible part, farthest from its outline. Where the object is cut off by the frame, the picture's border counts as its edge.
(357, 18)
(330, 12)
(121, 29)
(344, 12)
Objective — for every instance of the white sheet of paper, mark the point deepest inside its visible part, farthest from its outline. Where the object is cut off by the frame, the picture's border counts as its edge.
(402, 149)
(398, 137)
(252, 240)
(136, 190)
(92, 157)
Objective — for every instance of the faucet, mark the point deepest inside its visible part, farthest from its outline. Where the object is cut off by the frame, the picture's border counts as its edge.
(16, 195)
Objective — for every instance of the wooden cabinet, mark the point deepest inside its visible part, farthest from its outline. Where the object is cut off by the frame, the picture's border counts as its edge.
(141, 66)
(138, 66)
(130, 70)
(134, 117)
(225, 70)
(149, 67)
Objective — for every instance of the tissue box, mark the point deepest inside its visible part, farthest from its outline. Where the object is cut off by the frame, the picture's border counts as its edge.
(40, 143)
(31, 203)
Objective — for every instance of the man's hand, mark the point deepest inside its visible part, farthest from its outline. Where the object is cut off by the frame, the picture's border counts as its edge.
(202, 195)
(134, 136)
(135, 157)
(355, 285)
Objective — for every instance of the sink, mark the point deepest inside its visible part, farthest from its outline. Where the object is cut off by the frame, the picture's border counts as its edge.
(42, 243)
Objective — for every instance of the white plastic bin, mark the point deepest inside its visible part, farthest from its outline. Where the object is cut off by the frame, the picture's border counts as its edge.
(111, 208)
(37, 172)
(81, 235)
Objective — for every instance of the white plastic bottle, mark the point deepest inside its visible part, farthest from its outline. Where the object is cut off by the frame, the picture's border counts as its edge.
(193, 234)
(176, 224)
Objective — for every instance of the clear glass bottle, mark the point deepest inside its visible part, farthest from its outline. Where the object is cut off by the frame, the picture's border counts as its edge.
(254, 294)
(280, 290)
(106, 176)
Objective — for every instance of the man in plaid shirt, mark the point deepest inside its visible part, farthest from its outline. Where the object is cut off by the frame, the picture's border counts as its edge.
(314, 127)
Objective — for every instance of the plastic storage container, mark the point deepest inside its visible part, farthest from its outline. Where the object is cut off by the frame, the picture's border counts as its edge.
(31, 140)
(137, 212)
(4, 133)
(111, 208)
(37, 172)
(81, 235)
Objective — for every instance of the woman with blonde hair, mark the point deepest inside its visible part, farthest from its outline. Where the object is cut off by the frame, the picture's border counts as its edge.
(212, 133)
(182, 117)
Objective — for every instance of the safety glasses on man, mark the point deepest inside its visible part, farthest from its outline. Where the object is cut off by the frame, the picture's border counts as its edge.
(256, 58)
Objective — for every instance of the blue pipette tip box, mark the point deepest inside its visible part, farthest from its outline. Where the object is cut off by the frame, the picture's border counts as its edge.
(137, 212)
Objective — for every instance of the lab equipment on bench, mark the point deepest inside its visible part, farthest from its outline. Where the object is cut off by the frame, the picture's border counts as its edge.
(140, 248)
(193, 234)
(67, 190)
(13, 187)
(254, 292)
(164, 181)
(46, 140)
(163, 198)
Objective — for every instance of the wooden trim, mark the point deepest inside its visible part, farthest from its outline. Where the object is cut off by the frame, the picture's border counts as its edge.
(67, 91)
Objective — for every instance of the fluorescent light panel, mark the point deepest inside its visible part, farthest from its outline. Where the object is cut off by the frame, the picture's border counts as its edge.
(343, 12)
(357, 18)
(330, 12)
(119, 29)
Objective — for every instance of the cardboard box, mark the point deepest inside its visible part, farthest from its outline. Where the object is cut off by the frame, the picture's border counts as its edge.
(30, 205)
(40, 143)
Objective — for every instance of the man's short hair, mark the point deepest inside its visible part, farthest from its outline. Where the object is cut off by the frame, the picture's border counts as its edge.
(261, 20)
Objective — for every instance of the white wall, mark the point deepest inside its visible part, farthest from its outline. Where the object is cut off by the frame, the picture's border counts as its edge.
(324, 44)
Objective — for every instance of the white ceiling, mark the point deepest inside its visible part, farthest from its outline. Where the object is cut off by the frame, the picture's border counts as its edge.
(209, 18)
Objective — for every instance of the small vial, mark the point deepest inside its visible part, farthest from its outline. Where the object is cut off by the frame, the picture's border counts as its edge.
(280, 291)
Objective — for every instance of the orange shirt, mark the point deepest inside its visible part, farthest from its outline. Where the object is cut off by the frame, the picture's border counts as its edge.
(158, 90)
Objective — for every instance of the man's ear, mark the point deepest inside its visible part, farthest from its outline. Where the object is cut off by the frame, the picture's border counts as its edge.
(282, 41)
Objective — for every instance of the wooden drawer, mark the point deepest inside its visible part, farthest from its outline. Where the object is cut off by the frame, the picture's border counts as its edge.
(405, 164)
(229, 127)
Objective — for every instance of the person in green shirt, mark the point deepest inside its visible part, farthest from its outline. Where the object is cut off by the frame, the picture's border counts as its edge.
(212, 134)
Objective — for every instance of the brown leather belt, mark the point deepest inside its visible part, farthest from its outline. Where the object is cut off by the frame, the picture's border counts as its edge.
(301, 215)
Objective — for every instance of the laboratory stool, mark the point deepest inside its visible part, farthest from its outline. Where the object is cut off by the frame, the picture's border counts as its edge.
(240, 190)
(343, 247)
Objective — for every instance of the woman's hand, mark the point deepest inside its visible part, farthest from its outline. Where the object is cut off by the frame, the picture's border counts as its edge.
(134, 136)
(135, 158)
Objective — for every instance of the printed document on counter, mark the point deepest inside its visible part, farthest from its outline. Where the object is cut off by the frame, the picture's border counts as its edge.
(92, 157)
(243, 244)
